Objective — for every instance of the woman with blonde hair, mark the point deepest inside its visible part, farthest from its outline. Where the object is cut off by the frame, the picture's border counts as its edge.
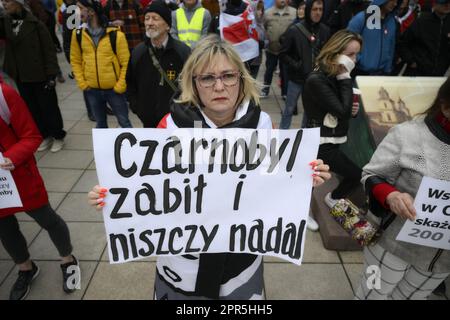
(217, 91)
(328, 103)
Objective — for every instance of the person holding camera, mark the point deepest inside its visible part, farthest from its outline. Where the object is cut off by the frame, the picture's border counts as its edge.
(30, 59)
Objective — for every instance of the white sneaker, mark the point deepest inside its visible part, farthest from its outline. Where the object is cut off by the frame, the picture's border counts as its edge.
(312, 224)
(263, 94)
(45, 144)
(57, 145)
(330, 201)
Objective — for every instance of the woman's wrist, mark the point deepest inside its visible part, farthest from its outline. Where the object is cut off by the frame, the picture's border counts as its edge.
(381, 192)
(390, 197)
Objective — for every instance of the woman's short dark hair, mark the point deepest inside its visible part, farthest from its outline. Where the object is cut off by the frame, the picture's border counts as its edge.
(443, 96)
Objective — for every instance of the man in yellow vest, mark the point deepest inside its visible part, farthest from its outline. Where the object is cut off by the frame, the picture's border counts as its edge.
(190, 22)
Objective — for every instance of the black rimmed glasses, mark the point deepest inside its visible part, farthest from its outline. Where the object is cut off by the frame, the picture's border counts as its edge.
(229, 79)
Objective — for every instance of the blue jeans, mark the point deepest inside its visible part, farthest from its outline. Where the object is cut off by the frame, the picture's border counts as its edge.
(97, 100)
(271, 65)
(86, 102)
(293, 93)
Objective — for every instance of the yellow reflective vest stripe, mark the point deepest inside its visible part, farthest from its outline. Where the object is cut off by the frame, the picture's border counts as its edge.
(190, 32)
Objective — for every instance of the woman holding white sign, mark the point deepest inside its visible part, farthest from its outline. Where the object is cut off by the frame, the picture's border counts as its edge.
(19, 139)
(218, 92)
(411, 150)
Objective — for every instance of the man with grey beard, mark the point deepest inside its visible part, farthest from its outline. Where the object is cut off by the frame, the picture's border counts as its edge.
(154, 66)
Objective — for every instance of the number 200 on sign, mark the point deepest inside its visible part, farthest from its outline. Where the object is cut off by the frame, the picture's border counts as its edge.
(426, 234)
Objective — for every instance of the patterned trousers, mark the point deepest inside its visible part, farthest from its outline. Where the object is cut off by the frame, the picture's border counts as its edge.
(387, 277)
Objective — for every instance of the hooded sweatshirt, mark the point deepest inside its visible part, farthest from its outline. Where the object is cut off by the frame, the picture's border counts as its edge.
(378, 49)
(427, 43)
(299, 52)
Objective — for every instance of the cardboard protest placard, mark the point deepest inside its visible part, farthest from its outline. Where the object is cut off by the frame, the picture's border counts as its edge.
(191, 191)
(431, 227)
(9, 196)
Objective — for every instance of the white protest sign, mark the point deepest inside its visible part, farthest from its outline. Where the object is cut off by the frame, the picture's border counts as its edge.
(191, 191)
(9, 196)
(431, 227)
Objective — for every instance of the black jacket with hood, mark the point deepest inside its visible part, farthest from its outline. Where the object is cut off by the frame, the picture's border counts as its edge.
(427, 43)
(30, 55)
(340, 17)
(297, 51)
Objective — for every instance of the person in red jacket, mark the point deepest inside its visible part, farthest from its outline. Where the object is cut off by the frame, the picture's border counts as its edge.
(19, 139)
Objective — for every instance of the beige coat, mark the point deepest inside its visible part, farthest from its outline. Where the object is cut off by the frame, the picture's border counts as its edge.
(276, 23)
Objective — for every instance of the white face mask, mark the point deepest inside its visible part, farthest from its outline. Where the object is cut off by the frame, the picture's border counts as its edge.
(346, 62)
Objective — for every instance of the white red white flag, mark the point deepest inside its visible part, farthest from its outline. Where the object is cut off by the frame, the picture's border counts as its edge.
(241, 33)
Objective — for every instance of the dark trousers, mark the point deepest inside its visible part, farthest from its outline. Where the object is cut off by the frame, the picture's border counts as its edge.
(51, 26)
(339, 163)
(252, 68)
(86, 102)
(67, 50)
(43, 105)
(271, 64)
(96, 100)
(15, 243)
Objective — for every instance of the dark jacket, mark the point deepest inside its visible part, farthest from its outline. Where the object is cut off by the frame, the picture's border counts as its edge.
(66, 32)
(427, 43)
(39, 10)
(340, 17)
(297, 51)
(31, 55)
(329, 6)
(323, 94)
(148, 99)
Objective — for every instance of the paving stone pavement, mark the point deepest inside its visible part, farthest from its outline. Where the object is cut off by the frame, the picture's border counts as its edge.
(70, 173)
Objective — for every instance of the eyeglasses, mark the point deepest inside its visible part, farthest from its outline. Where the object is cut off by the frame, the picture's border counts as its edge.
(229, 79)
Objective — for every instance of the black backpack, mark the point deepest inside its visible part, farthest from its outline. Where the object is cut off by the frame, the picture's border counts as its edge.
(112, 39)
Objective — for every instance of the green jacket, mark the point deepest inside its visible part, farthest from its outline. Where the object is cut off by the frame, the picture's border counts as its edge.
(30, 55)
